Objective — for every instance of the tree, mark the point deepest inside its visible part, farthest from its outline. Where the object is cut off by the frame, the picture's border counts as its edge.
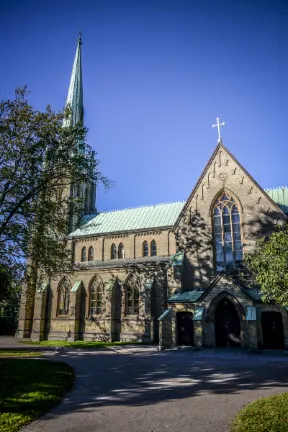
(269, 265)
(39, 161)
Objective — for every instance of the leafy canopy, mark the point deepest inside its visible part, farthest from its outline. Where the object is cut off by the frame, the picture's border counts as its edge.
(269, 266)
(39, 161)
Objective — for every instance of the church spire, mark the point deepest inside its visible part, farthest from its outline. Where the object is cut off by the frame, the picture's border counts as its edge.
(75, 93)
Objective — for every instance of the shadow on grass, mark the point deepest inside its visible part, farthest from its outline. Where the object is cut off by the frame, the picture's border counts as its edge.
(29, 388)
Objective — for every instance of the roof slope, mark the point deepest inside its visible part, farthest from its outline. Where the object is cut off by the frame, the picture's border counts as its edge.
(280, 196)
(154, 216)
(151, 217)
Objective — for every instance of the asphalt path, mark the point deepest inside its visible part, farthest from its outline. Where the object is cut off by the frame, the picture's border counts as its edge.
(142, 390)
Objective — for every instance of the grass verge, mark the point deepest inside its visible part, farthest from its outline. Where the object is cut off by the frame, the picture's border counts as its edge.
(82, 344)
(29, 388)
(264, 415)
(15, 353)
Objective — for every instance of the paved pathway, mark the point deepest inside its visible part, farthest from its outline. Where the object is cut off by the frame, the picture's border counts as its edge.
(150, 391)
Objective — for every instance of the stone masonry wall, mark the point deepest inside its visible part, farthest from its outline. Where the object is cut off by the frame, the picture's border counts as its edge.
(194, 232)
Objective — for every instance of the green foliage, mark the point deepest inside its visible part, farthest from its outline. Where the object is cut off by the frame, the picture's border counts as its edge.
(14, 353)
(29, 388)
(42, 165)
(82, 344)
(269, 266)
(265, 415)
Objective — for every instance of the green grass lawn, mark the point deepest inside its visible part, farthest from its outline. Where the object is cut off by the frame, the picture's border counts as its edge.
(264, 415)
(15, 353)
(29, 388)
(81, 344)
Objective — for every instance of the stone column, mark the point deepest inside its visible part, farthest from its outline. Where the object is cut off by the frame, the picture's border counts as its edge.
(39, 317)
(25, 320)
(165, 330)
(75, 312)
(198, 332)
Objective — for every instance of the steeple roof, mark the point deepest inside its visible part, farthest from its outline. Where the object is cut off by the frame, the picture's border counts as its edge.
(75, 93)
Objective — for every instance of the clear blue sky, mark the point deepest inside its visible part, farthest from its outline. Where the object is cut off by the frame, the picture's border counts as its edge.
(156, 75)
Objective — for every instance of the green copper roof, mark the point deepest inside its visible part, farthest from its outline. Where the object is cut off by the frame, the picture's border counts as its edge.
(186, 296)
(165, 314)
(154, 216)
(280, 196)
(75, 93)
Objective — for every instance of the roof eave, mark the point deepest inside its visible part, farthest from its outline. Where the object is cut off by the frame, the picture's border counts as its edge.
(132, 231)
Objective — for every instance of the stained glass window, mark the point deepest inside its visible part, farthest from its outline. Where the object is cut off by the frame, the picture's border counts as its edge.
(227, 233)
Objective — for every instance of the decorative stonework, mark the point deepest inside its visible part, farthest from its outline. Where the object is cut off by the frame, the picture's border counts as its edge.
(223, 176)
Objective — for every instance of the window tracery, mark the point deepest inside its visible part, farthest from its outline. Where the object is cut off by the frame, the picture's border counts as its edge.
(227, 233)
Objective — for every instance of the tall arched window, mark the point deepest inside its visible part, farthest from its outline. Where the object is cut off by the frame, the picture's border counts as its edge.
(91, 253)
(121, 253)
(153, 248)
(145, 248)
(64, 297)
(113, 251)
(132, 296)
(84, 254)
(96, 296)
(227, 233)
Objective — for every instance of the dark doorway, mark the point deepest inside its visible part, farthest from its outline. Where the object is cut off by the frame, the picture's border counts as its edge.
(272, 329)
(185, 328)
(227, 325)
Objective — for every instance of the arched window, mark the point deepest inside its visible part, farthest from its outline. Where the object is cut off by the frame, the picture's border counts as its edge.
(96, 296)
(91, 253)
(113, 251)
(64, 297)
(145, 248)
(132, 297)
(153, 248)
(121, 253)
(227, 233)
(84, 254)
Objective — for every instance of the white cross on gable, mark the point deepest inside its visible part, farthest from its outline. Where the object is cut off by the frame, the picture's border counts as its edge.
(218, 127)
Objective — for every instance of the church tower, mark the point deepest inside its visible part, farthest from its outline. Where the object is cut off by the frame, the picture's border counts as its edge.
(86, 191)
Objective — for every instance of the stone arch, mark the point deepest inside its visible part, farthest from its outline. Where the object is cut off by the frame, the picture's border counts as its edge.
(227, 229)
(211, 312)
(219, 193)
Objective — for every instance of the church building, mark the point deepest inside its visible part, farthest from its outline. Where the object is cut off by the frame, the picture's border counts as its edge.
(168, 273)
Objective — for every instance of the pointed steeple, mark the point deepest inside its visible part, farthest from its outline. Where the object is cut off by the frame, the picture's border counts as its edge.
(75, 93)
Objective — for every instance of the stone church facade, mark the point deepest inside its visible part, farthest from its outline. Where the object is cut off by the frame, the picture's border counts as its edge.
(166, 273)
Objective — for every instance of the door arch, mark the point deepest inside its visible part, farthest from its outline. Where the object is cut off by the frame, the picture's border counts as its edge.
(272, 330)
(227, 324)
(185, 328)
